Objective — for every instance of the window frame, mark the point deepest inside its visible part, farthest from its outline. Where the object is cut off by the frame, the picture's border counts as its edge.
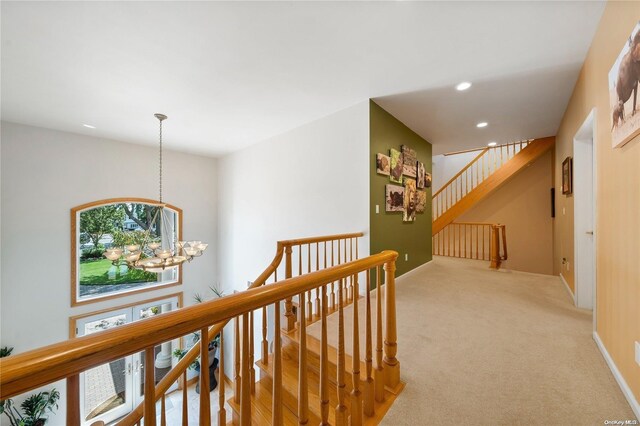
(75, 235)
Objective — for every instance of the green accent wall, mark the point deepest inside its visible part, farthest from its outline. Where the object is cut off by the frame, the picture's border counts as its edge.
(388, 231)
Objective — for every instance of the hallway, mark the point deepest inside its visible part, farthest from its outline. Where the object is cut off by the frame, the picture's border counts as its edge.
(484, 347)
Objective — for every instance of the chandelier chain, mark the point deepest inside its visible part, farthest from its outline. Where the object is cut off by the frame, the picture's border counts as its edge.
(160, 183)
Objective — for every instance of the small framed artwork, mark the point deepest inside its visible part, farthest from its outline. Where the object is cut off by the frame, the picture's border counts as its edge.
(427, 180)
(409, 212)
(623, 96)
(567, 176)
(383, 164)
(409, 161)
(395, 173)
(421, 203)
(394, 198)
(420, 175)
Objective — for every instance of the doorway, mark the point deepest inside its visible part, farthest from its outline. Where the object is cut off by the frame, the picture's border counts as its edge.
(584, 193)
(112, 390)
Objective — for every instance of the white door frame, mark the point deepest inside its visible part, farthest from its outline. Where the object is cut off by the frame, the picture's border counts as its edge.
(585, 136)
(133, 371)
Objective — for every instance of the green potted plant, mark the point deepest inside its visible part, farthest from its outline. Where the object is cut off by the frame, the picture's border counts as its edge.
(213, 346)
(34, 409)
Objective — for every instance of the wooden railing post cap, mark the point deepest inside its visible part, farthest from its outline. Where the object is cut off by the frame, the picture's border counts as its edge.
(393, 253)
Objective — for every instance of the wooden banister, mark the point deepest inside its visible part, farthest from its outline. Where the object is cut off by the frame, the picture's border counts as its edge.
(490, 169)
(283, 248)
(29, 370)
(457, 175)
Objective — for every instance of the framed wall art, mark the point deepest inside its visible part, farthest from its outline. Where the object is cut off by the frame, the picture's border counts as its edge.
(567, 176)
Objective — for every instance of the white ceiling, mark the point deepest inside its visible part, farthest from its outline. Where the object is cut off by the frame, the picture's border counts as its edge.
(230, 74)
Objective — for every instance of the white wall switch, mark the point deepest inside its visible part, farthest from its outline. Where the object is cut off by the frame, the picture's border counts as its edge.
(377, 208)
(406, 257)
(563, 211)
(638, 353)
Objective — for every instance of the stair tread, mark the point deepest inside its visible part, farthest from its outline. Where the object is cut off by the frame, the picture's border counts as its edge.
(261, 408)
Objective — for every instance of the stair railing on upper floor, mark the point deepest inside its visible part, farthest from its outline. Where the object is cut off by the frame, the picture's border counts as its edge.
(474, 173)
(68, 359)
(472, 240)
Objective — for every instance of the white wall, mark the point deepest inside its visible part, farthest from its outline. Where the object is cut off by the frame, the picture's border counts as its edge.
(310, 181)
(446, 166)
(44, 174)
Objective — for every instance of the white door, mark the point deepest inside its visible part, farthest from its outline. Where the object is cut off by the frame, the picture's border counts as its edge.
(584, 215)
(106, 391)
(112, 390)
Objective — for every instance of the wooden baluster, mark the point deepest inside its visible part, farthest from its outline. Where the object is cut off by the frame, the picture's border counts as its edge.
(303, 385)
(332, 296)
(252, 370)
(276, 390)
(317, 303)
(392, 365)
(236, 361)
(245, 375)
(324, 363)
(222, 412)
(477, 242)
(265, 342)
(356, 393)
(205, 393)
(290, 318)
(149, 387)
(350, 293)
(341, 408)
(378, 381)
(309, 294)
(73, 400)
(163, 416)
(185, 400)
(369, 396)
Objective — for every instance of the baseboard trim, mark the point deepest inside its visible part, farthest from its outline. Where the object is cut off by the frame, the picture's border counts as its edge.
(626, 390)
(566, 285)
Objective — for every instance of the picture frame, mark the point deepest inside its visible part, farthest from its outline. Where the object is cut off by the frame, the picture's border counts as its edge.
(567, 176)
(623, 92)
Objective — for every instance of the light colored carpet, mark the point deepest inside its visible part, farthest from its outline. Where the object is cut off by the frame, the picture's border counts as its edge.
(480, 347)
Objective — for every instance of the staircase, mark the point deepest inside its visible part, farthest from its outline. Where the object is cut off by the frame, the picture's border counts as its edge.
(483, 175)
(330, 358)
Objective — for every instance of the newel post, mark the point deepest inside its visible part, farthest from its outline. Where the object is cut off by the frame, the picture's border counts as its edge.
(391, 363)
(495, 247)
(289, 316)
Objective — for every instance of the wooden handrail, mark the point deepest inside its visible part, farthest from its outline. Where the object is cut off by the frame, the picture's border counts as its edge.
(29, 370)
(457, 175)
(283, 246)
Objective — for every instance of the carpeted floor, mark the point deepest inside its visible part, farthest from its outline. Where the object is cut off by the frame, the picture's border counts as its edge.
(479, 347)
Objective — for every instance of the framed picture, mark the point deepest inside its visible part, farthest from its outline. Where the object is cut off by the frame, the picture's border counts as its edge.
(409, 212)
(567, 176)
(623, 92)
(383, 164)
(427, 180)
(410, 160)
(421, 203)
(420, 175)
(394, 198)
(395, 174)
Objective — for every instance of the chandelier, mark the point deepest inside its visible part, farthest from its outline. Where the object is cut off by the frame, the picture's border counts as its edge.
(152, 255)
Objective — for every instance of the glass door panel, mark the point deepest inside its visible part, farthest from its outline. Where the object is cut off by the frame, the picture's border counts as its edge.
(105, 390)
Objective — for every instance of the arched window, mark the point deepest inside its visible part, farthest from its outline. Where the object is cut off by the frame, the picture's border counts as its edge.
(118, 222)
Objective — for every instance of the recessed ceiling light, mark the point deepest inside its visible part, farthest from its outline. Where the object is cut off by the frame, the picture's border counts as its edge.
(492, 144)
(89, 126)
(463, 86)
(482, 124)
